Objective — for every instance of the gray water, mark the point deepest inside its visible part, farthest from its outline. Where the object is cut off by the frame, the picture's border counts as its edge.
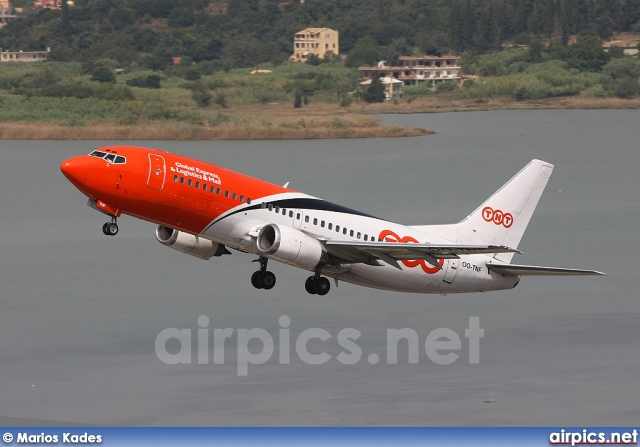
(80, 311)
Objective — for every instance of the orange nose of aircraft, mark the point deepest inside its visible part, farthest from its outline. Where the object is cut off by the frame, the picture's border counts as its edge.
(76, 169)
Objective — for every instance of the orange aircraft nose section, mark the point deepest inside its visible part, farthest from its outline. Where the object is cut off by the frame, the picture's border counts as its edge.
(76, 169)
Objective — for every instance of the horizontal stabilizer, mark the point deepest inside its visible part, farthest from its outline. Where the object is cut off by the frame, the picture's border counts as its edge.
(533, 270)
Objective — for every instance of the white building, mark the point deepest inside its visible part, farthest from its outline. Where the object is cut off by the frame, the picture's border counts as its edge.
(24, 56)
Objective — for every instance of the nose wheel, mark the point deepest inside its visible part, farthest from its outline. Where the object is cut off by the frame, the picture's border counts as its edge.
(263, 279)
(110, 228)
(317, 285)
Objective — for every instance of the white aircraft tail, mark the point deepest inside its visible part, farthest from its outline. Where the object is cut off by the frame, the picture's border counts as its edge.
(503, 217)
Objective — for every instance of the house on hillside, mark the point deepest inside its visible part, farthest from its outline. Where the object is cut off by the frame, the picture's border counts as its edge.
(318, 41)
(51, 4)
(414, 70)
(24, 56)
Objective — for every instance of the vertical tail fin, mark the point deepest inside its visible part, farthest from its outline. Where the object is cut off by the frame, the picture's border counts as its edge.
(503, 217)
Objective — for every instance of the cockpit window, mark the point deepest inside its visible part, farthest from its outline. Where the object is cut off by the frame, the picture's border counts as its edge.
(111, 158)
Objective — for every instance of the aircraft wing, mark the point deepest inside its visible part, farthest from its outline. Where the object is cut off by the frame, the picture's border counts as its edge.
(533, 270)
(392, 252)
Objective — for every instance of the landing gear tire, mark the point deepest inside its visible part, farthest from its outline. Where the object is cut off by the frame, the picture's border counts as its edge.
(267, 280)
(322, 286)
(317, 286)
(256, 280)
(262, 279)
(309, 285)
(110, 228)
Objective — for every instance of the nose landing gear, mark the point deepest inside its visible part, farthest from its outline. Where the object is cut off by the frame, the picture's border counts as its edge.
(110, 228)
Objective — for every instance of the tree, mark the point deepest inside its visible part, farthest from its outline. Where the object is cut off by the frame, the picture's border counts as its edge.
(201, 94)
(620, 67)
(615, 52)
(375, 91)
(297, 100)
(103, 74)
(314, 59)
(365, 52)
(626, 87)
(66, 26)
(535, 51)
(587, 54)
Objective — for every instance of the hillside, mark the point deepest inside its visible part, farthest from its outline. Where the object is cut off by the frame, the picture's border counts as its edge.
(245, 33)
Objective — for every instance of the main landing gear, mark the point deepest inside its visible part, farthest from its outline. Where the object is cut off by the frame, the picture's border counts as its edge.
(110, 228)
(317, 285)
(262, 279)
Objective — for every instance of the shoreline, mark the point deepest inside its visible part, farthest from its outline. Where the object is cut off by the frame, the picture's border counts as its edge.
(282, 122)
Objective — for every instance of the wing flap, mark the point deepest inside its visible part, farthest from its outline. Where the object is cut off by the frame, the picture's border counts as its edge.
(391, 252)
(534, 270)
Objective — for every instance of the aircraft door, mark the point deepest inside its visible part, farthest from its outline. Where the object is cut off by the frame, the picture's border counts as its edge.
(452, 271)
(157, 172)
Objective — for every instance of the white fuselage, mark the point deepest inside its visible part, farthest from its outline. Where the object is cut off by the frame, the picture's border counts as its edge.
(467, 274)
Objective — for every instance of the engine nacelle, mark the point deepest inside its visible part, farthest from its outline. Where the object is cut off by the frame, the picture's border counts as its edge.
(290, 246)
(188, 243)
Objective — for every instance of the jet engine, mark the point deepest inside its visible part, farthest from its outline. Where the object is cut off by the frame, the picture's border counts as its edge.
(291, 246)
(188, 243)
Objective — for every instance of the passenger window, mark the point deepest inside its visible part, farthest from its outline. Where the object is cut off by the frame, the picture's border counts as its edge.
(306, 219)
(291, 214)
(212, 189)
(366, 237)
(351, 233)
(358, 235)
(226, 194)
(270, 207)
(204, 186)
(218, 191)
(249, 200)
(182, 180)
(344, 231)
(198, 185)
(190, 182)
(235, 196)
(277, 209)
(175, 178)
(330, 226)
(337, 228)
(241, 199)
(284, 212)
(263, 205)
(322, 224)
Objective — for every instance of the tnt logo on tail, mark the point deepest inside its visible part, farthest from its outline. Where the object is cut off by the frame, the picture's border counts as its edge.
(498, 217)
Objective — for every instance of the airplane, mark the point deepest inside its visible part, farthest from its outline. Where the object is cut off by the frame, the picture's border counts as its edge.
(204, 210)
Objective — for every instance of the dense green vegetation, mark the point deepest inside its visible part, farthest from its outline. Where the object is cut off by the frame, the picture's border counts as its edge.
(149, 33)
(75, 93)
(581, 69)
(140, 38)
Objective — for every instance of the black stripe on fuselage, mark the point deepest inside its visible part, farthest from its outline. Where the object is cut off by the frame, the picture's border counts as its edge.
(305, 204)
